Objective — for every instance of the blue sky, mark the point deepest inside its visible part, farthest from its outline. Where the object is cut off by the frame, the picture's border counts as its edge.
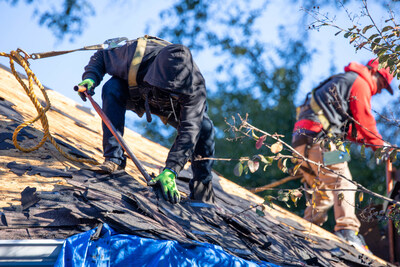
(129, 19)
(61, 73)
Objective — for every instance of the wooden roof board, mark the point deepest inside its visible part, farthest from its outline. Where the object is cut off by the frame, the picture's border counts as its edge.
(60, 199)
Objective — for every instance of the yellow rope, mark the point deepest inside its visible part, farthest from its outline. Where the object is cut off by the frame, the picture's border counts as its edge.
(23, 61)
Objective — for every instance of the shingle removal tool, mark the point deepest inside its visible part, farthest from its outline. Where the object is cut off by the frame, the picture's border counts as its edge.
(117, 135)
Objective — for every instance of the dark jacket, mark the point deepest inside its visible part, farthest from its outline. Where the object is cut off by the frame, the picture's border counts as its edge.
(343, 95)
(171, 70)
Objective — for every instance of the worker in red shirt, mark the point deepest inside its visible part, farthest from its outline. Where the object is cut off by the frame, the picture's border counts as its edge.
(340, 106)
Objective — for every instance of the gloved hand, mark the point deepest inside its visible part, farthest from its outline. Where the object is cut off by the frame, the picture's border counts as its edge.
(89, 84)
(166, 179)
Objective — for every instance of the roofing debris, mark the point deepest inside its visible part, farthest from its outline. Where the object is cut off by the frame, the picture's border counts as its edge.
(44, 195)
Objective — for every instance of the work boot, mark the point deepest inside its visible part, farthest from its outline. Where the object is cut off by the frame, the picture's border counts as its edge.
(355, 239)
(107, 167)
(200, 191)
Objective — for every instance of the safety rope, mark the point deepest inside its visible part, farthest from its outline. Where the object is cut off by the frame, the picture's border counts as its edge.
(23, 62)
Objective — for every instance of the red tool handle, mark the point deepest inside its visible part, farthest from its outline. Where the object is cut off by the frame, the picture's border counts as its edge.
(117, 135)
(389, 188)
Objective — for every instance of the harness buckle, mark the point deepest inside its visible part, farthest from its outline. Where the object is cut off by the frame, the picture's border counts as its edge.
(20, 56)
(115, 42)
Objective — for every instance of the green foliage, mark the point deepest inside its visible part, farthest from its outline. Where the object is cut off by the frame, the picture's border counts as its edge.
(383, 39)
(63, 20)
(252, 77)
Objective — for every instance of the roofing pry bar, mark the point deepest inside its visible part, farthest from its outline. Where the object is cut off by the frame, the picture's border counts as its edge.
(117, 135)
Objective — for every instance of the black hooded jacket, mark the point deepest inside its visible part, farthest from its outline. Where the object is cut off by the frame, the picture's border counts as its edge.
(170, 69)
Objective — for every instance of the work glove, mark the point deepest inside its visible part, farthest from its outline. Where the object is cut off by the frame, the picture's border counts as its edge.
(166, 180)
(89, 84)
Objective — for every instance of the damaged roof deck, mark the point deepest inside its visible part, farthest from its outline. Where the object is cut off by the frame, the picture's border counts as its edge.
(46, 196)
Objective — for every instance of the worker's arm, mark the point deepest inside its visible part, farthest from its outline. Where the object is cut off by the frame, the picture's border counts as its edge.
(360, 107)
(192, 108)
(95, 69)
(115, 62)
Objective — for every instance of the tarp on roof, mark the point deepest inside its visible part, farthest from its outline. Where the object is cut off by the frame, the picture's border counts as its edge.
(113, 249)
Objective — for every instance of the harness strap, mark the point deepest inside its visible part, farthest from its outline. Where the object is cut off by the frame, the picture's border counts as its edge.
(315, 107)
(320, 113)
(135, 64)
(139, 54)
(137, 59)
(147, 107)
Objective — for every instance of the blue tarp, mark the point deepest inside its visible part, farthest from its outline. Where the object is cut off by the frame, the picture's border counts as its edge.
(113, 249)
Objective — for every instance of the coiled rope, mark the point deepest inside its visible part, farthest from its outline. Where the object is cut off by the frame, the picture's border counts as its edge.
(22, 60)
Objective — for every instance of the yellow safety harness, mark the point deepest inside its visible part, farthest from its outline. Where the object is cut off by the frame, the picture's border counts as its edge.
(134, 68)
(138, 56)
(320, 113)
(326, 125)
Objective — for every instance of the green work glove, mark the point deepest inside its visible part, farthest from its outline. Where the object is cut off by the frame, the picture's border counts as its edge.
(168, 186)
(89, 84)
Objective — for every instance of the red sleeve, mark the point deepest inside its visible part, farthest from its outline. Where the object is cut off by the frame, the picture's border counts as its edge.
(360, 107)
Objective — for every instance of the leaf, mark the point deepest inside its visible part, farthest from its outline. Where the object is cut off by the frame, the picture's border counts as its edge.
(260, 213)
(378, 153)
(353, 38)
(338, 32)
(277, 147)
(270, 160)
(282, 165)
(254, 135)
(253, 165)
(238, 170)
(385, 29)
(361, 196)
(261, 158)
(373, 36)
(352, 28)
(296, 168)
(348, 148)
(283, 196)
(295, 195)
(366, 28)
(340, 147)
(347, 34)
(361, 45)
(377, 40)
(268, 201)
(380, 54)
(294, 199)
(393, 155)
(260, 141)
(362, 151)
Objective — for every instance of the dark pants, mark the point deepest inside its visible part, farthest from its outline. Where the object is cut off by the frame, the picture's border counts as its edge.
(115, 96)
